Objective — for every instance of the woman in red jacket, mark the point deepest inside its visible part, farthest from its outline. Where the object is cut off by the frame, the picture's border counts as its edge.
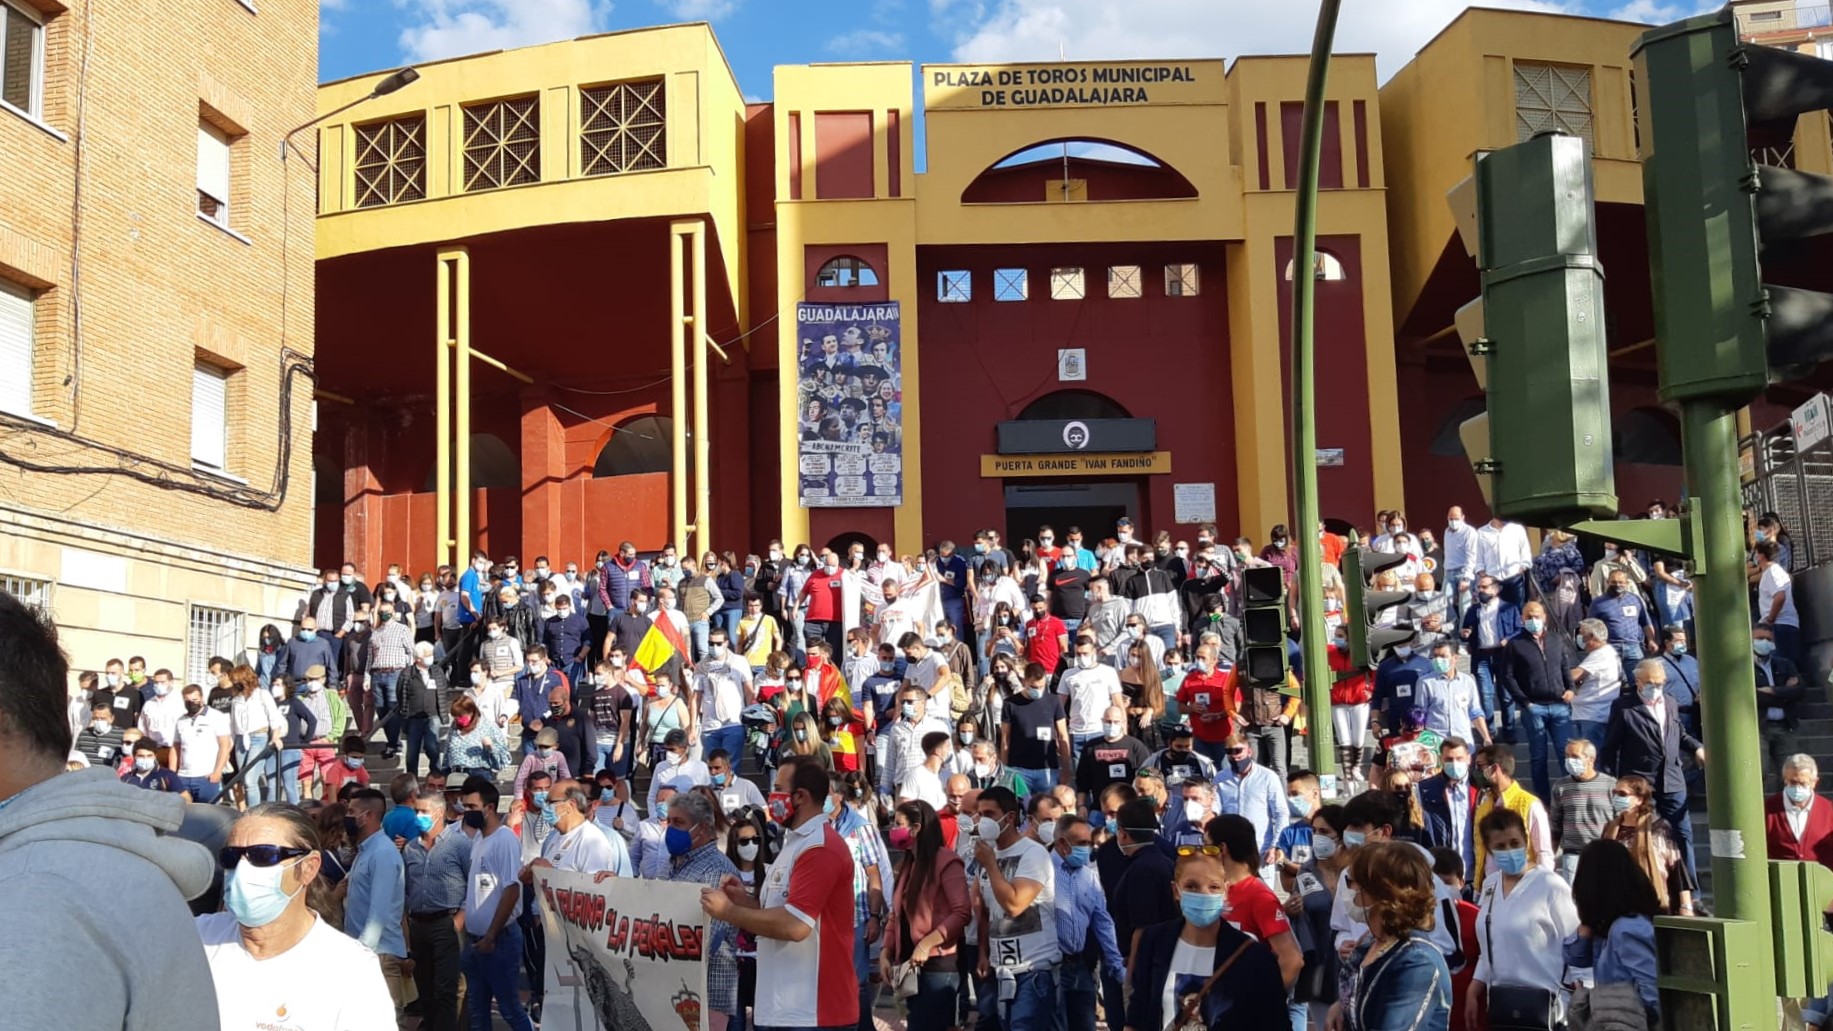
(928, 915)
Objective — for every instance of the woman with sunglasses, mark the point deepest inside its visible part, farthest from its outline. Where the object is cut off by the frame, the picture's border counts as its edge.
(750, 849)
(1196, 971)
(270, 953)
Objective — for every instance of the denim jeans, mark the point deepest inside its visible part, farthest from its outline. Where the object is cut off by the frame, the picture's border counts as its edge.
(1549, 727)
(862, 969)
(422, 739)
(1032, 1006)
(1495, 701)
(289, 775)
(1038, 781)
(1165, 632)
(1630, 654)
(620, 767)
(1215, 751)
(1076, 983)
(1788, 643)
(200, 788)
(932, 1008)
(731, 738)
(384, 689)
(259, 781)
(1590, 730)
(1270, 747)
(494, 975)
(1076, 741)
(696, 633)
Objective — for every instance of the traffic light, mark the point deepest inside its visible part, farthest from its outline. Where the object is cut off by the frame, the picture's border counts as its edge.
(1536, 337)
(1264, 623)
(1721, 229)
(1365, 605)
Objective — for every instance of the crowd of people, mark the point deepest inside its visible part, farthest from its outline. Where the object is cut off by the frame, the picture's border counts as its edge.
(1021, 789)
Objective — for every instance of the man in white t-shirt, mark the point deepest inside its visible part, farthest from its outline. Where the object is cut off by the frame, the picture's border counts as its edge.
(1017, 933)
(576, 843)
(722, 689)
(201, 742)
(676, 766)
(1776, 601)
(1091, 689)
(492, 959)
(1597, 682)
(923, 667)
(925, 781)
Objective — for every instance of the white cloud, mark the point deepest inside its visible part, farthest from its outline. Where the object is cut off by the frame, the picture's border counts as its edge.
(438, 29)
(860, 42)
(700, 10)
(1655, 12)
(1032, 30)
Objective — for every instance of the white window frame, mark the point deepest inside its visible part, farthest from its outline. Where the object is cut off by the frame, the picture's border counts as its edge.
(210, 452)
(954, 286)
(16, 383)
(1067, 284)
(1011, 284)
(34, 591)
(1124, 282)
(35, 99)
(1181, 280)
(210, 632)
(207, 134)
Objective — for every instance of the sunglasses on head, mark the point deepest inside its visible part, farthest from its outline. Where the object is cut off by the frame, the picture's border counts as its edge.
(1199, 850)
(259, 855)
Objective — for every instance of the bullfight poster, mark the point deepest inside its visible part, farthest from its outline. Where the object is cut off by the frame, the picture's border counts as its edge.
(624, 955)
(850, 405)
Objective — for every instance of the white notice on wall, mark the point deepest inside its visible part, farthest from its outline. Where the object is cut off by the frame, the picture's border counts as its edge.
(1072, 364)
(1194, 502)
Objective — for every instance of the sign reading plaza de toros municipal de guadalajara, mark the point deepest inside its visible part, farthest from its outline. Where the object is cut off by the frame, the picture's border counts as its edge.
(1068, 85)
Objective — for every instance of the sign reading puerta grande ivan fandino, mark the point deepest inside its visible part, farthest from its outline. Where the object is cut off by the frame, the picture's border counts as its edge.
(1099, 84)
(849, 405)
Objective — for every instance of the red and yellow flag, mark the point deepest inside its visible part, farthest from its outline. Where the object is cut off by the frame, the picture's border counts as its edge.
(662, 643)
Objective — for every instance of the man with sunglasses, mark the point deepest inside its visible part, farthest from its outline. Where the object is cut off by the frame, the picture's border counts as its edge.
(61, 835)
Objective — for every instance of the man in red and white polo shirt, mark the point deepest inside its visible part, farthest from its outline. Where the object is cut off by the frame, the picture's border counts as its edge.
(803, 915)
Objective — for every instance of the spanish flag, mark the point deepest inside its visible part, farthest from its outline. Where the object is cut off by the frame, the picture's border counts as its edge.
(662, 643)
(826, 681)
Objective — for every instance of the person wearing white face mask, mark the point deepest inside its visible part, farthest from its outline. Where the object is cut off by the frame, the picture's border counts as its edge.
(1113, 759)
(1580, 806)
(1089, 690)
(1652, 842)
(1017, 933)
(1190, 813)
(269, 952)
(1798, 823)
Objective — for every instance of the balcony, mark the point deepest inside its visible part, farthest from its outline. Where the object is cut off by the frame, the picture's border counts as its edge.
(1778, 23)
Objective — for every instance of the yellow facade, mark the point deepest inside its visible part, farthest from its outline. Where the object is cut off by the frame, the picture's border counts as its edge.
(107, 514)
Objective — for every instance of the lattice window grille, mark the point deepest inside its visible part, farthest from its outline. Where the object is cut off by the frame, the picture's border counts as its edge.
(33, 593)
(1123, 281)
(623, 128)
(1549, 97)
(211, 632)
(503, 143)
(1010, 284)
(391, 162)
(955, 287)
(1180, 280)
(1066, 284)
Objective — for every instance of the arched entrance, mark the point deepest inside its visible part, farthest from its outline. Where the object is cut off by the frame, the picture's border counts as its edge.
(1092, 505)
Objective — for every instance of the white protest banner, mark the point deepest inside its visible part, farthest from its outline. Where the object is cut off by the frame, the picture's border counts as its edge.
(624, 955)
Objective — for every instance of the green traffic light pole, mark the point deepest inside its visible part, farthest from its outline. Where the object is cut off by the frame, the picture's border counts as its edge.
(1316, 645)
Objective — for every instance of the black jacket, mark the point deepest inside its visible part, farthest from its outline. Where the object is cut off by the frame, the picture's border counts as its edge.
(1780, 694)
(578, 741)
(1537, 676)
(426, 692)
(1143, 894)
(1636, 744)
(1250, 995)
(1436, 797)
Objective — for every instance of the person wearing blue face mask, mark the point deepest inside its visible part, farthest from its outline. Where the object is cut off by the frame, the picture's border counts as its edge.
(307, 649)
(1448, 801)
(1525, 914)
(1198, 966)
(437, 860)
(1683, 674)
(695, 857)
(1085, 931)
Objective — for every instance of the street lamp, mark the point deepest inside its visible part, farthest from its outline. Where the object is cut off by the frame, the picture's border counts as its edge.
(389, 84)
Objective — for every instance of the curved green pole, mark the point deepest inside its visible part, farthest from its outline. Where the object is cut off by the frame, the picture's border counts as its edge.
(1315, 641)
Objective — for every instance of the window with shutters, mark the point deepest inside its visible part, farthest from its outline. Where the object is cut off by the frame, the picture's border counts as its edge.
(209, 417)
(1551, 98)
(17, 312)
(503, 143)
(213, 174)
(33, 593)
(22, 58)
(212, 633)
(391, 161)
(623, 127)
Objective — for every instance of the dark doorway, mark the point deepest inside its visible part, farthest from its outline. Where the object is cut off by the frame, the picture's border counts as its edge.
(1094, 507)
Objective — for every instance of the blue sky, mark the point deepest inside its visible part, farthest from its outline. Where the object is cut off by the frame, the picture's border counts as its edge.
(360, 36)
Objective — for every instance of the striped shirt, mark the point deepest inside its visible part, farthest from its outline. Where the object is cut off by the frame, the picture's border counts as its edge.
(1581, 808)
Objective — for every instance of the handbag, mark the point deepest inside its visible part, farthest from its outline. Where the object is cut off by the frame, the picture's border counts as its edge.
(904, 983)
(1519, 1007)
(1190, 1007)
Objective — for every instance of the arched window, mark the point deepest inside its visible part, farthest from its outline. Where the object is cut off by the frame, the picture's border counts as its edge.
(1074, 404)
(846, 271)
(640, 445)
(840, 544)
(1647, 436)
(1077, 169)
(1446, 443)
(1327, 268)
(493, 464)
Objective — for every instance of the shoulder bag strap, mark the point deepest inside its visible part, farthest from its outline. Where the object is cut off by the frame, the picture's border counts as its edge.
(1217, 976)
